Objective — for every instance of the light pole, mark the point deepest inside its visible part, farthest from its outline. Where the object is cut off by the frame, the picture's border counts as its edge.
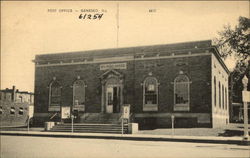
(172, 120)
(28, 127)
(245, 99)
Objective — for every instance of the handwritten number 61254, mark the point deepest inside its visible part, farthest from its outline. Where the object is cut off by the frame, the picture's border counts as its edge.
(90, 16)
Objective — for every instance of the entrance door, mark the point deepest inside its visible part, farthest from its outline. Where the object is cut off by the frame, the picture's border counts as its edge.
(112, 99)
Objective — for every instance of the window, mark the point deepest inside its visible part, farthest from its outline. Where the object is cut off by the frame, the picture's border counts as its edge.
(226, 106)
(12, 110)
(55, 94)
(20, 111)
(1, 110)
(223, 105)
(110, 98)
(215, 95)
(181, 93)
(79, 92)
(21, 99)
(219, 95)
(150, 91)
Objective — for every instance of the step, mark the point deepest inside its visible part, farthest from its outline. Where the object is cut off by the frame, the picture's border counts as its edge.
(90, 128)
(114, 130)
(93, 132)
(97, 129)
(105, 124)
(69, 129)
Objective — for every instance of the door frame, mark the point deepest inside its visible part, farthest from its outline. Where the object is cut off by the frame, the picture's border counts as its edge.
(115, 79)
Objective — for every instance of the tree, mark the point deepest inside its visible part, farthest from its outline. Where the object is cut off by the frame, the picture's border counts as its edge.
(236, 42)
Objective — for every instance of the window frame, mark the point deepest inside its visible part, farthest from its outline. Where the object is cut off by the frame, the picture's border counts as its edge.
(182, 107)
(151, 107)
(12, 110)
(223, 97)
(21, 111)
(219, 95)
(55, 107)
(74, 93)
(226, 103)
(215, 92)
(1, 110)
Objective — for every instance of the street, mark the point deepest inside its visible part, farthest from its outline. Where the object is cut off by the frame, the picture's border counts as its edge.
(42, 147)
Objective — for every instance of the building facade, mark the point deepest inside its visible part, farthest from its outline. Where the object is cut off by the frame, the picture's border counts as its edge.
(235, 92)
(15, 107)
(186, 80)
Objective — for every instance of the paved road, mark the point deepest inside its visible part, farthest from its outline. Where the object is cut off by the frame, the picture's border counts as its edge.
(43, 147)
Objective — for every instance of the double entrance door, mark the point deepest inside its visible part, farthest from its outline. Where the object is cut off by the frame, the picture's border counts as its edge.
(113, 98)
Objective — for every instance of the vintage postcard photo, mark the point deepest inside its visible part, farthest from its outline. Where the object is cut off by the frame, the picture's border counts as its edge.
(125, 79)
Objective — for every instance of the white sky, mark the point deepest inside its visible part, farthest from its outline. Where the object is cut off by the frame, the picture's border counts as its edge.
(28, 29)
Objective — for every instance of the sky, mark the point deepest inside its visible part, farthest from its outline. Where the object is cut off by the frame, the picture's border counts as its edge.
(28, 29)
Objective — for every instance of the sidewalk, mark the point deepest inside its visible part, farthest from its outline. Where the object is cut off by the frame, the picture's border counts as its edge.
(136, 137)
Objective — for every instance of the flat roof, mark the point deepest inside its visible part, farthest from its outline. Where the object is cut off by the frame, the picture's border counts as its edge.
(166, 49)
(126, 50)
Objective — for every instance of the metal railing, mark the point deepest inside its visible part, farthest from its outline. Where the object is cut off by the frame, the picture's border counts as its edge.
(53, 116)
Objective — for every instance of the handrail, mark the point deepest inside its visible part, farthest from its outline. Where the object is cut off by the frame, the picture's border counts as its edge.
(53, 116)
(120, 118)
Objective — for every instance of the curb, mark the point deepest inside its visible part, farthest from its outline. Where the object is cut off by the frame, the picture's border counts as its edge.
(129, 137)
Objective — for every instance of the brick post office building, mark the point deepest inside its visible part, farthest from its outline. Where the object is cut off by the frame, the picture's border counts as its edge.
(188, 80)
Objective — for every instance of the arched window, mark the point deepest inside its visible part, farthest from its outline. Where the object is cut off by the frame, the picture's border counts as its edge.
(215, 93)
(181, 93)
(219, 95)
(223, 105)
(226, 97)
(79, 92)
(55, 94)
(150, 97)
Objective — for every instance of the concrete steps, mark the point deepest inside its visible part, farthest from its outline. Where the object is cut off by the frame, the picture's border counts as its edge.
(91, 128)
(100, 118)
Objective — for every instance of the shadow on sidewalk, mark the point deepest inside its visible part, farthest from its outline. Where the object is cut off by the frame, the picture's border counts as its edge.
(231, 133)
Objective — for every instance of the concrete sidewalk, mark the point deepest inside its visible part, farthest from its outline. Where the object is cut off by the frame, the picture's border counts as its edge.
(136, 137)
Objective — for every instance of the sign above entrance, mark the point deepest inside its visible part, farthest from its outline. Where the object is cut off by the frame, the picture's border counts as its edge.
(113, 66)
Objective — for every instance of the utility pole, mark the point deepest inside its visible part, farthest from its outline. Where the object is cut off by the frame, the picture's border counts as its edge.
(245, 99)
(117, 24)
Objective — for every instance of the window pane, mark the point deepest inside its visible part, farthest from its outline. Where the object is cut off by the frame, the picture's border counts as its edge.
(181, 93)
(12, 110)
(215, 95)
(55, 98)
(151, 99)
(79, 93)
(223, 97)
(150, 91)
(181, 89)
(219, 96)
(20, 111)
(181, 78)
(110, 98)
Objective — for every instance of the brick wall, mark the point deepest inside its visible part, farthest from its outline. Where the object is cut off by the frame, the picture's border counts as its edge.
(15, 119)
(220, 100)
(165, 70)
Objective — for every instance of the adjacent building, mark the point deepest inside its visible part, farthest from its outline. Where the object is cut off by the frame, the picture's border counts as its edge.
(235, 93)
(185, 81)
(15, 107)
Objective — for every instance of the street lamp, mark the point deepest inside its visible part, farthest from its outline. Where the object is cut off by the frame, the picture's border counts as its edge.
(245, 99)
